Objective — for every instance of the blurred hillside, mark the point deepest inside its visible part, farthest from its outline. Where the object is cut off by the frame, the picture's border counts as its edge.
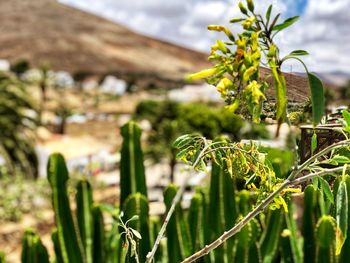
(45, 31)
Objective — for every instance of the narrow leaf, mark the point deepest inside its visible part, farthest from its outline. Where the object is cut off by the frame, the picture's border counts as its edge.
(341, 216)
(288, 22)
(341, 159)
(299, 53)
(268, 14)
(313, 143)
(317, 98)
(236, 20)
(274, 22)
(136, 233)
(346, 116)
(326, 189)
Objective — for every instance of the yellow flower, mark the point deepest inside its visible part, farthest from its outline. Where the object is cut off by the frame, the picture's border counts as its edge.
(202, 74)
(254, 92)
(247, 24)
(248, 73)
(223, 86)
(233, 107)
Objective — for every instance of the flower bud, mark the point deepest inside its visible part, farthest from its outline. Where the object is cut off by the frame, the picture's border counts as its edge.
(272, 51)
(242, 8)
(248, 73)
(247, 24)
(233, 107)
(221, 46)
(250, 4)
(202, 74)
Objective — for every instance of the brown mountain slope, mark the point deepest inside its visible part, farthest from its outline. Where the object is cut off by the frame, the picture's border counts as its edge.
(68, 39)
(45, 31)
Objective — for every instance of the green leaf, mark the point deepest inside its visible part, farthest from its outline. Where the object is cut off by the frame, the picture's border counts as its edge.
(346, 116)
(299, 53)
(341, 216)
(288, 22)
(236, 20)
(274, 22)
(136, 233)
(313, 143)
(134, 218)
(317, 98)
(268, 14)
(182, 141)
(341, 159)
(326, 189)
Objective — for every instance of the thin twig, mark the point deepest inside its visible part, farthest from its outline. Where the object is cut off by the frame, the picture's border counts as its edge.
(175, 201)
(288, 182)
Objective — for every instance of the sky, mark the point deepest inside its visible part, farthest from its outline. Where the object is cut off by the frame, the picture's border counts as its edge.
(323, 29)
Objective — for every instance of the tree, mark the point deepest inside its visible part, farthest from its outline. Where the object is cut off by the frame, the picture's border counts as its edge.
(20, 67)
(17, 123)
(170, 119)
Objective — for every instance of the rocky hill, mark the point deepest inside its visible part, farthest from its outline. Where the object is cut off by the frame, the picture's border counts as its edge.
(47, 32)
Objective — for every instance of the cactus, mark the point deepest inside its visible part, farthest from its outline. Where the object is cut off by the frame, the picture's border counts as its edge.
(155, 225)
(33, 249)
(67, 236)
(178, 234)
(222, 211)
(99, 253)
(132, 172)
(84, 216)
(137, 204)
(309, 223)
(56, 246)
(326, 229)
(291, 244)
(345, 252)
(114, 251)
(270, 237)
(246, 246)
(195, 219)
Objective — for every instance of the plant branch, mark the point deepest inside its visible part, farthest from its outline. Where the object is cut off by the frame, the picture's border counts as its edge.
(290, 181)
(174, 202)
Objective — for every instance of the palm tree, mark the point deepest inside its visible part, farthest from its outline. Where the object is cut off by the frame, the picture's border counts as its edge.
(17, 125)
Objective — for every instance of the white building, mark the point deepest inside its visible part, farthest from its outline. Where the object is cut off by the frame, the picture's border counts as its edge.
(4, 65)
(113, 86)
(63, 79)
(191, 93)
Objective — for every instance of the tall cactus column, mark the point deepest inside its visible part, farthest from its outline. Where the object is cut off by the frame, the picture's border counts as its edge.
(67, 236)
(132, 171)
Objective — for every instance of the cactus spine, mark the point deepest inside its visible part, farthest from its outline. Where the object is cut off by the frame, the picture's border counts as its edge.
(132, 172)
(178, 234)
(325, 236)
(84, 216)
(137, 204)
(67, 237)
(33, 249)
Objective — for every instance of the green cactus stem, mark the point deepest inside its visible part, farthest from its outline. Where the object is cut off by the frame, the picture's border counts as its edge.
(132, 171)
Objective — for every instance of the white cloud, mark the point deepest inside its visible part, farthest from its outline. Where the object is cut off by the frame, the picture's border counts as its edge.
(323, 29)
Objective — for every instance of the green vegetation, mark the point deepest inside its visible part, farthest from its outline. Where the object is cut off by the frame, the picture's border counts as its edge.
(247, 213)
(171, 119)
(17, 121)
